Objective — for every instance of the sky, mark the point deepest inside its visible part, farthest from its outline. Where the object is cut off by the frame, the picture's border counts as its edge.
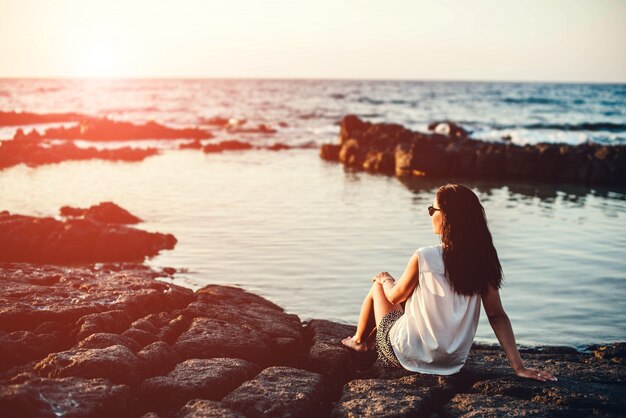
(491, 40)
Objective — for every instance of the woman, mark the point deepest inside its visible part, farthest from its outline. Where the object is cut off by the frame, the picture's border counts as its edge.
(442, 286)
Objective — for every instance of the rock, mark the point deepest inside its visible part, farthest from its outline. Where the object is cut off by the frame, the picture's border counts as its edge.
(330, 152)
(283, 331)
(352, 126)
(60, 295)
(468, 405)
(139, 336)
(106, 212)
(195, 144)
(448, 152)
(21, 347)
(350, 153)
(577, 398)
(111, 321)
(415, 395)
(208, 338)
(278, 147)
(47, 240)
(195, 378)
(614, 353)
(104, 340)
(33, 152)
(116, 363)
(327, 356)
(28, 396)
(95, 129)
(231, 145)
(280, 392)
(28, 118)
(201, 408)
(157, 358)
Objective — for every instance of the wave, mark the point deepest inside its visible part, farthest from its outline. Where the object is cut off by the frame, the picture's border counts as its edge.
(532, 100)
(584, 126)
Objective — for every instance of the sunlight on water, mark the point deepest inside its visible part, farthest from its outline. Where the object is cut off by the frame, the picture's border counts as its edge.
(309, 235)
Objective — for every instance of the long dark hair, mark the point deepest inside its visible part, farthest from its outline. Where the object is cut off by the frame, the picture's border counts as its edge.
(470, 258)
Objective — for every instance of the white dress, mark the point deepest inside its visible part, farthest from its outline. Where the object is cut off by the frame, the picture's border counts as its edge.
(436, 331)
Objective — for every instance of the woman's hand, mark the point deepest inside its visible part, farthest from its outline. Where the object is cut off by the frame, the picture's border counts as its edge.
(535, 374)
(381, 276)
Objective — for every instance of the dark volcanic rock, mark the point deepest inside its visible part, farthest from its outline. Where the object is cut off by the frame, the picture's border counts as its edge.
(28, 396)
(20, 347)
(47, 240)
(280, 332)
(195, 378)
(280, 392)
(416, 395)
(104, 340)
(208, 338)
(157, 358)
(328, 356)
(449, 153)
(28, 118)
(474, 405)
(82, 328)
(106, 212)
(104, 129)
(33, 295)
(34, 152)
(202, 408)
(116, 363)
(231, 145)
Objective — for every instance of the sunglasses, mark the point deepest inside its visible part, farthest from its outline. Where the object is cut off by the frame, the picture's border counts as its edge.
(431, 210)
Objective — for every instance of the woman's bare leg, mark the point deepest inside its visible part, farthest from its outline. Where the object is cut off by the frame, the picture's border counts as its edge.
(375, 306)
(365, 322)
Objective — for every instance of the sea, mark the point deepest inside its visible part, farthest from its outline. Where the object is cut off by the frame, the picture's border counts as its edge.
(310, 234)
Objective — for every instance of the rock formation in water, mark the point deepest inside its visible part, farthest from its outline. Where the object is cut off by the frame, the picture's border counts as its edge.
(104, 129)
(31, 149)
(97, 234)
(108, 340)
(28, 118)
(449, 153)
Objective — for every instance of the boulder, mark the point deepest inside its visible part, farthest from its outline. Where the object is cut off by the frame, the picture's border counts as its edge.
(330, 152)
(195, 378)
(116, 363)
(208, 338)
(104, 340)
(280, 392)
(202, 408)
(20, 347)
(27, 396)
(106, 212)
(37, 294)
(415, 395)
(157, 358)
(47, 240)
(102, 322)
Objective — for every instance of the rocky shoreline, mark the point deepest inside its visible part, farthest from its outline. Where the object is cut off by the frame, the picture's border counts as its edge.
(102, 340)
(449, 152)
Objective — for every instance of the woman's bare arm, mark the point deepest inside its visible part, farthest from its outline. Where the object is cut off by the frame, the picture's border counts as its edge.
(499, 321)
(399, 292)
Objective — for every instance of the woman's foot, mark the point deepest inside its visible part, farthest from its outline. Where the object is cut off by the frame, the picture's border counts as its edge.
(350, 342)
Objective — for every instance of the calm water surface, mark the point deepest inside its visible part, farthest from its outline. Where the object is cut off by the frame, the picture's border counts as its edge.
(309, 235)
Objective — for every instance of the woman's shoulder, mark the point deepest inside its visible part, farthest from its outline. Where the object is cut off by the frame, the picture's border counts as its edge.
(429, 249)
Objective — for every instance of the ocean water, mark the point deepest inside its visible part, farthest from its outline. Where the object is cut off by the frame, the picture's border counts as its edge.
(309, 234)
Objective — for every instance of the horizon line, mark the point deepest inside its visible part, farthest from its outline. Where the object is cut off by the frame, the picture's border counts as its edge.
(198, 78)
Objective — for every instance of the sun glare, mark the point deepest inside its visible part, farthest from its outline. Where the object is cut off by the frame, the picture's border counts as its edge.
(98, 60)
